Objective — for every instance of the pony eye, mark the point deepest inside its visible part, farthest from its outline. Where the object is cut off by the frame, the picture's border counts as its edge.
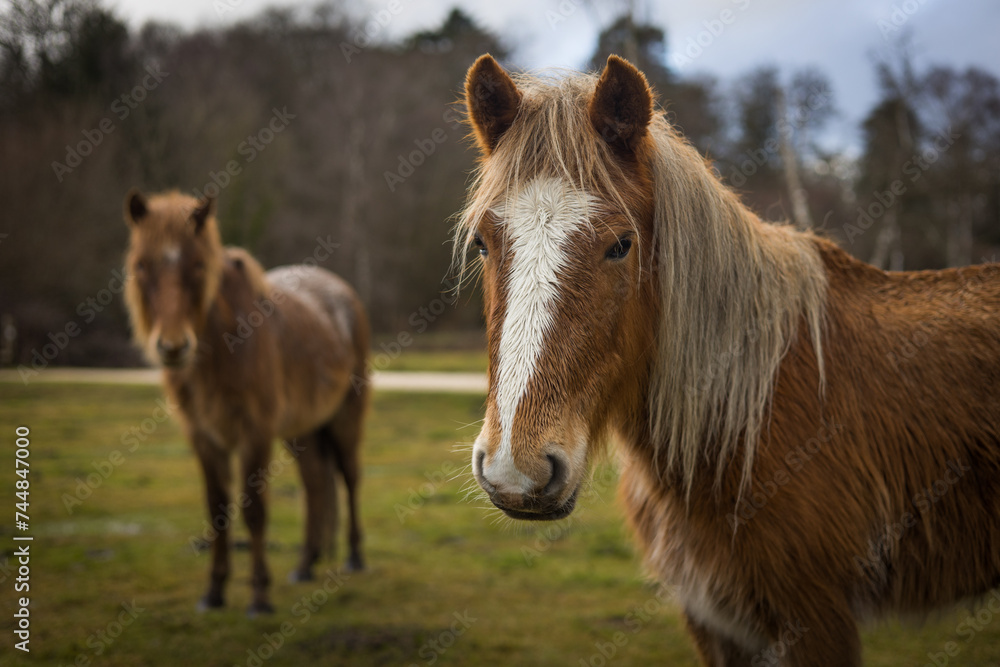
(619, 249)
(477, 241)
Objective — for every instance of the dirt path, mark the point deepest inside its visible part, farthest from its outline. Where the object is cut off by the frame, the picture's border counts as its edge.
(452, 383)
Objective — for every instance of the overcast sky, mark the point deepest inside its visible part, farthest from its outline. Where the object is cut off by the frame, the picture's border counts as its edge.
(724, 38)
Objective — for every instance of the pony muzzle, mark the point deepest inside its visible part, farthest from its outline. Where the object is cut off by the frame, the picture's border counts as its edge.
(174, 351)
(544, 495)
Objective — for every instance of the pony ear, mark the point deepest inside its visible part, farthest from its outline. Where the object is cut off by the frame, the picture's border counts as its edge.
(492, 100)
(135, 206)
(202, 212)
(622, 105)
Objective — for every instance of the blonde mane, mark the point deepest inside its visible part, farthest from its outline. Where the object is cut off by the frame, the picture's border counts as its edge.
(733, 288)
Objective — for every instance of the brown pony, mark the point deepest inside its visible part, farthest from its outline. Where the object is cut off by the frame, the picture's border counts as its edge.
(805, 440)
(248, 356)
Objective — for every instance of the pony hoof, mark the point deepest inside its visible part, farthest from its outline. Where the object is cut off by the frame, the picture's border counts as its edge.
(354, 564)
(298, 576)
(209, 603)
(258, 608)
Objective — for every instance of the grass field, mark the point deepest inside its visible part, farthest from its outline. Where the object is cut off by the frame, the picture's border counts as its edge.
(445, 361)
(115, 578)
(432, 351)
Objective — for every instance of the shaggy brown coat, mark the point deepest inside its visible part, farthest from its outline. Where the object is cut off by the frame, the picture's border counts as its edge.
(249, 356)
(806, 441)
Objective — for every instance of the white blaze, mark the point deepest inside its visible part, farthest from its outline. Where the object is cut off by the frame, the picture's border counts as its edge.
(537, 223)
(172, 254)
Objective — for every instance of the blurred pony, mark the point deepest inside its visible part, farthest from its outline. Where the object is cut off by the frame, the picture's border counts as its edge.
(249, 356)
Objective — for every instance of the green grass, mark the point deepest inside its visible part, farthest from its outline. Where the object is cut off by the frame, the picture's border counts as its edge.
(452, 352)
(540, 595)
(448, 361)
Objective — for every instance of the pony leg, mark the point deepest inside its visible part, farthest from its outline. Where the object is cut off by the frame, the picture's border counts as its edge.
(255, 456)
(319, 479)
(346, 431)
(716, 650)
(215, 470)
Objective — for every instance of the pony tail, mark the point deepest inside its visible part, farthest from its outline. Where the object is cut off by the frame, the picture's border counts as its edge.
(330, 520)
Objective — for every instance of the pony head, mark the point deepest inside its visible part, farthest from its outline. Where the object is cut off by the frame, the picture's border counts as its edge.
(174, 264)
(561, 215)
(626, 289)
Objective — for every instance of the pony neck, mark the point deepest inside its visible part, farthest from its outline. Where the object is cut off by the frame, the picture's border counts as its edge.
(228, 328)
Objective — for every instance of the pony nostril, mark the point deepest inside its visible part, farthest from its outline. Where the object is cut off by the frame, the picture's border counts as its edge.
(480, 472)
(558, 479)
(169, 349)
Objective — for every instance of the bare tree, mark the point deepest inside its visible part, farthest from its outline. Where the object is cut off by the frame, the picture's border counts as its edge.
(790, 167)
(891, 130)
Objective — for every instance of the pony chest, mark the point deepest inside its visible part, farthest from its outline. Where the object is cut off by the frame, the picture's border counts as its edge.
(222, 414)
(697, 561)
(719, 604)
